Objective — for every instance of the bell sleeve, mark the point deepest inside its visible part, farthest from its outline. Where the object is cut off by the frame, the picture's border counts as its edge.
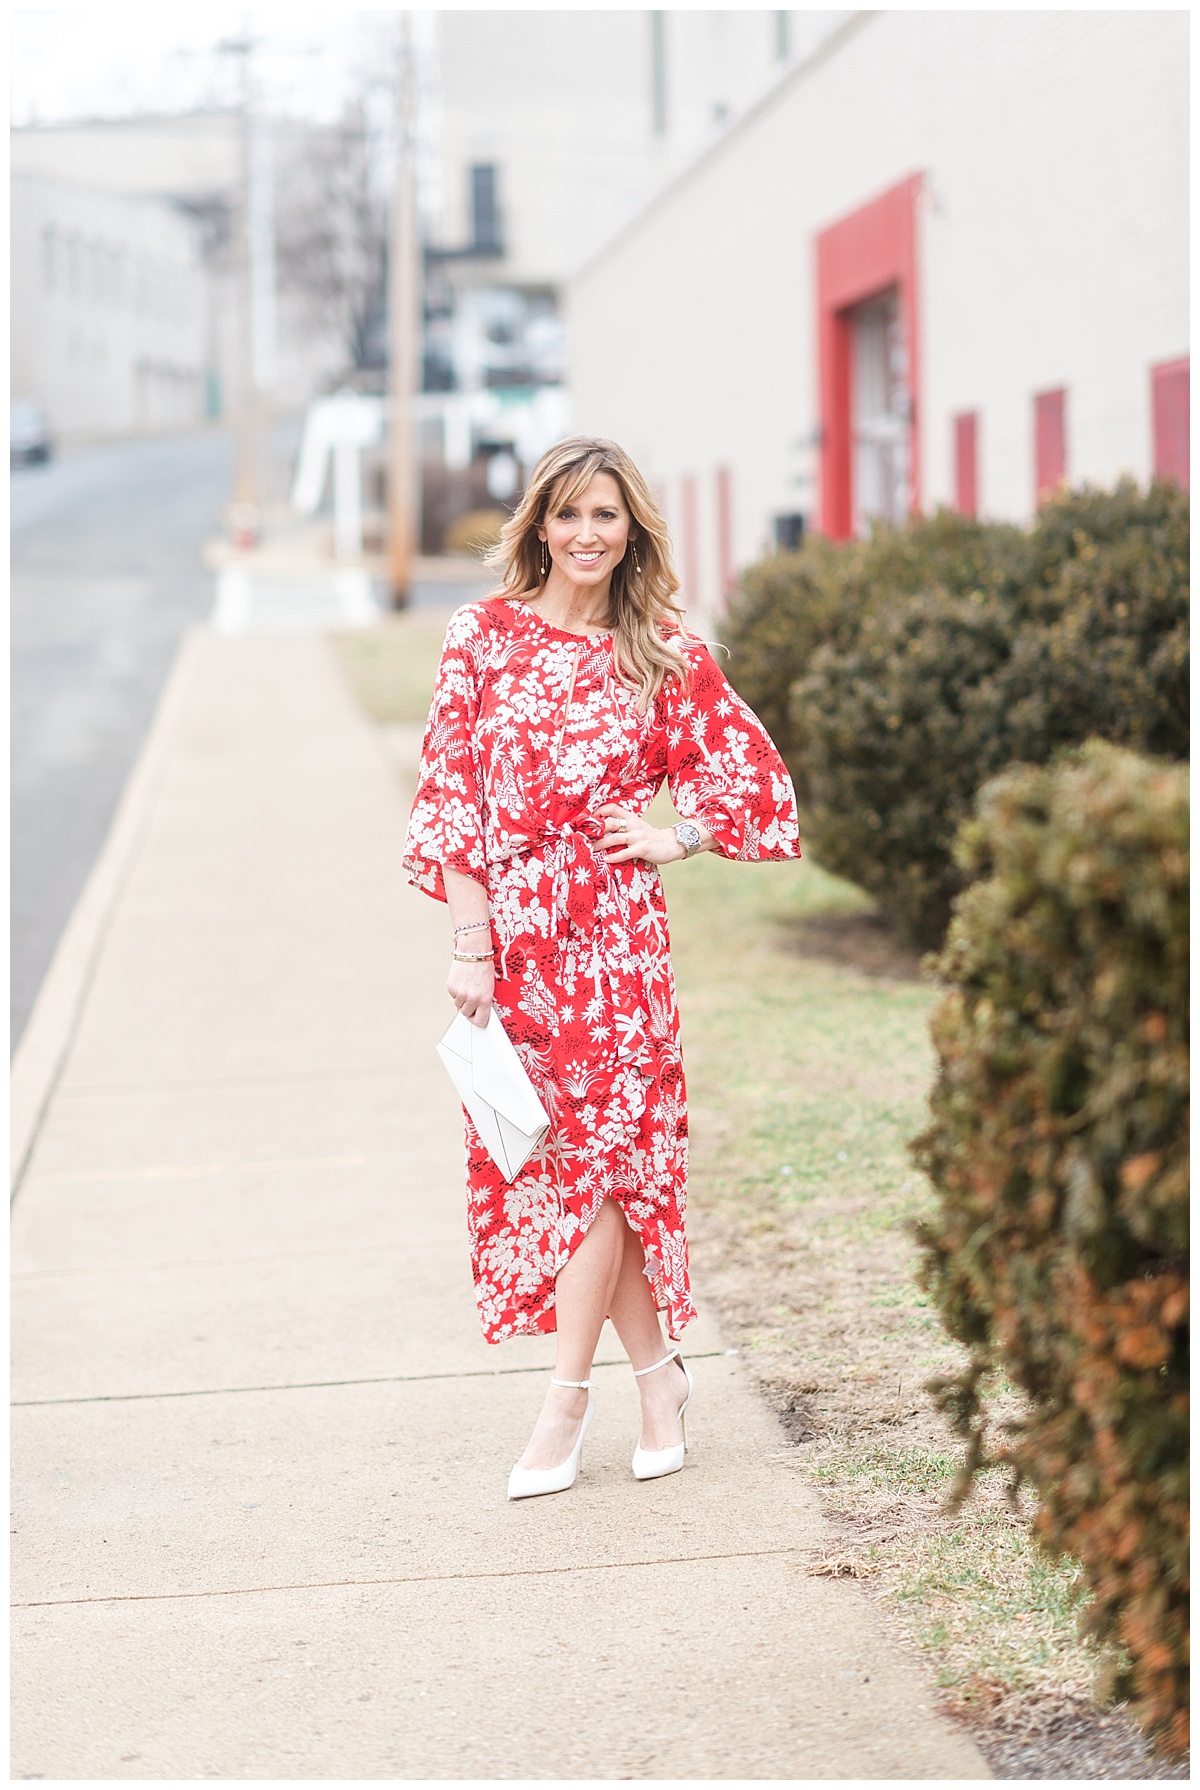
(723, 770)
(446, 826)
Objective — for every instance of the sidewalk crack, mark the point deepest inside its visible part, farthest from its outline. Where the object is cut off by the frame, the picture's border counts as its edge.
(469, 1373)
(433, 1578)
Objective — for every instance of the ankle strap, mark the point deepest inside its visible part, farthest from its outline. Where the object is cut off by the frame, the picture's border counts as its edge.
(582, 1385)
(673, 1356)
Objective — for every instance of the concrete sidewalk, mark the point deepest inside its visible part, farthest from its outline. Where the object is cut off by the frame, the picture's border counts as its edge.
(260, 1447)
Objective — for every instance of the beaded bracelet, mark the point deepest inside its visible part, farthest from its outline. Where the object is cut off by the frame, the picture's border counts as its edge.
(472, 926)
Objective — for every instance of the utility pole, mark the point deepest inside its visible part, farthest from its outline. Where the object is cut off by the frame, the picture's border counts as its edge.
(260, 232)
(405, 318)
(257, 351)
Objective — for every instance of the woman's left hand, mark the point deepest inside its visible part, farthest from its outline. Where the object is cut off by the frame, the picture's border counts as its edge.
(628, 836)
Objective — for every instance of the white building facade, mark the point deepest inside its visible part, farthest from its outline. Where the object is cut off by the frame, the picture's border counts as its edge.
(544, 132)
(942, 261)
(185, 172)
(558, 126)
(110, 311)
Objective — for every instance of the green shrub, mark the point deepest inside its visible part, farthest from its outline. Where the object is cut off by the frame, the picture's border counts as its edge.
(1058, 1152)
(1070, 525)
(895, 735)
(785, 608)
(793, 603)
(1019, 646)
(1103, 645)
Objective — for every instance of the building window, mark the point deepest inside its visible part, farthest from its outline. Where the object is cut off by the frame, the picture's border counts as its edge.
(485, 211)
(1170, 402)
(789, 532)
(783, 36)
(966, 463)
(1049, 443)
(658, 73)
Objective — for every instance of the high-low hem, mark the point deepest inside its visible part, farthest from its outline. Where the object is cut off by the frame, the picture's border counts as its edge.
(679, 1308)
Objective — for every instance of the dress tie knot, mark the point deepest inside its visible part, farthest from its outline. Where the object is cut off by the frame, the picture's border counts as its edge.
(577, 869)
(578, 874)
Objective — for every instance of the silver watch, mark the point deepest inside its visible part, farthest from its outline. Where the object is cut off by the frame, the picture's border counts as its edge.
(689, 836)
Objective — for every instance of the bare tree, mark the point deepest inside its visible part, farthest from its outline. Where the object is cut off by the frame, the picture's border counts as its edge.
(332, 226)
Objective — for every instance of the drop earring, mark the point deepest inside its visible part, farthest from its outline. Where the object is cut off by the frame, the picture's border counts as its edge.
(637, 564)
(544, 560)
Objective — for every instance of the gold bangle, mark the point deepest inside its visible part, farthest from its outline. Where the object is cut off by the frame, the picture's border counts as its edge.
(473, 956)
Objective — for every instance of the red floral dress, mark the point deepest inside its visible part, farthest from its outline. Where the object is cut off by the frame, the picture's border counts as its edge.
(531, 731)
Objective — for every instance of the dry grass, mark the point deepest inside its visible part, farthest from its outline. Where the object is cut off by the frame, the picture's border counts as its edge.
(390, 668)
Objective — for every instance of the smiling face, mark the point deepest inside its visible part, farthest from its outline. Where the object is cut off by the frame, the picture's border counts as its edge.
(589, 536)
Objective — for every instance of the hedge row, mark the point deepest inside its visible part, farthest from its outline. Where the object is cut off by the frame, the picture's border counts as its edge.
(1058, 1152)
(897, 674)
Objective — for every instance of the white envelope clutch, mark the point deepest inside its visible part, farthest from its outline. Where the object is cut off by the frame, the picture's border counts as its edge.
(495, 1089)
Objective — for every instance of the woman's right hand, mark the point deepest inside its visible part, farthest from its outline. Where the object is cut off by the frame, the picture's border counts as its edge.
(471, 987)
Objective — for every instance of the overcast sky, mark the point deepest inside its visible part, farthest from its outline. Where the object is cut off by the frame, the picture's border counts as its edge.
(109, 61)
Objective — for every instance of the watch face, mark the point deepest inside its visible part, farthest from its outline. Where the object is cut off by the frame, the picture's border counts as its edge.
(688, 836)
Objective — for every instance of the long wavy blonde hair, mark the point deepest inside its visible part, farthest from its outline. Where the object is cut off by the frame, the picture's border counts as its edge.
(642, 611)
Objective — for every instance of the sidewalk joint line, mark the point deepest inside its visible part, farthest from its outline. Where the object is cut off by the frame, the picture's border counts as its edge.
(431, 1578)
(467, 1373)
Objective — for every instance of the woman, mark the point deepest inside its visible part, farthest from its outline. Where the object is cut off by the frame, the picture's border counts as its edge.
(561, 704)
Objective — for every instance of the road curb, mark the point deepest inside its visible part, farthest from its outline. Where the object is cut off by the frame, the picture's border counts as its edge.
(50, 1031)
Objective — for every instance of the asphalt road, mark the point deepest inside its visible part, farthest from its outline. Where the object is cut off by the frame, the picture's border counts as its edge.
(106, 576)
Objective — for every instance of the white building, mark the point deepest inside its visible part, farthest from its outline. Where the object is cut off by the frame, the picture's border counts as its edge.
(544, 132)
(188, 167)
(550, 129)
(110, 321)
(194, 154)
(942, 261)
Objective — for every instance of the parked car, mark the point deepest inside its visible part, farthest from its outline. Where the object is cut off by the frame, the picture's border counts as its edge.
(29, 442)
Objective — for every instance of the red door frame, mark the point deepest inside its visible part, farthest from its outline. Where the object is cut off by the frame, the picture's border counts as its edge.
(860, 256)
